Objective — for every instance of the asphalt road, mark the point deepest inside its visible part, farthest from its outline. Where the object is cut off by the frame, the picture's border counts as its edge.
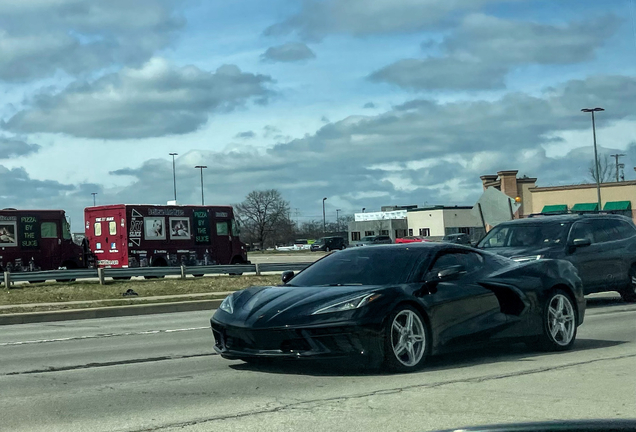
(159, 372)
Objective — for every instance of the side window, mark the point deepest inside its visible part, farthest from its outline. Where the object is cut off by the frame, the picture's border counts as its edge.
(97, 228)
(48, 230)
(498, 239)
(625, 230)
(66, 231)
(222, 228)
(471, 261)
(581, 230)
(603, 230)
(112, 227)
(236, 229)
(444, 261)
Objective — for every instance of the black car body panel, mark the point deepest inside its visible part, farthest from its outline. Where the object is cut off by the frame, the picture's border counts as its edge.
(603, 265)
(498, 300)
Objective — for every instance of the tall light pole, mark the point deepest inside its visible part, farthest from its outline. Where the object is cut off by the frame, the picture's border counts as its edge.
(618, 164)
(338, 220)
(598, 180)
(324, 223)
(93, 193)
(174, 176)
(201, 168)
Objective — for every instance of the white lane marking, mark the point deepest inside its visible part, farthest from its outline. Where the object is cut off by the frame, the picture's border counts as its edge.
(103, 335)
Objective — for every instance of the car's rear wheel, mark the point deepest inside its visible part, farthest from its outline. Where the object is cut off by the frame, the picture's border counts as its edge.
(629, 293)
(406, 339)
(559, 323)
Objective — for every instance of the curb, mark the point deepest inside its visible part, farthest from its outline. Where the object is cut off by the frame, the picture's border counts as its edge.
(109, 312)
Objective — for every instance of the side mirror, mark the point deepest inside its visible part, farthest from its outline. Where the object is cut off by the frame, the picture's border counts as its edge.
(448, 273)
(581, 242)
(287, 276)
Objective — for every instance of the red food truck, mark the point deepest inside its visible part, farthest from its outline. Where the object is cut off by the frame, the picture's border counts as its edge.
(33, 240)
(128, 235)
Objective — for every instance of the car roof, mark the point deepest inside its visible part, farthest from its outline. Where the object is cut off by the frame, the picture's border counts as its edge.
(563, 218)
(420, 245)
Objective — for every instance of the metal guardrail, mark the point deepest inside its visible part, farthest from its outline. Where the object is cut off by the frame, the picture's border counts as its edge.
(149, 272)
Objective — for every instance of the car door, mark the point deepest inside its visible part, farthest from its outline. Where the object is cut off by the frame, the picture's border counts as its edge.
(592, 262)
(612, 252)
(463, 312)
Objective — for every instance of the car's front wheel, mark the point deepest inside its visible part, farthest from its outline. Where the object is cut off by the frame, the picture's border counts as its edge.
(406, 339)
(629, 292)
(559, 323)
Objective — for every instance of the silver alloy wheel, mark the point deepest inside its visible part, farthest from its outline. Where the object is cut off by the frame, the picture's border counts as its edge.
(408, 338)
(561, 316)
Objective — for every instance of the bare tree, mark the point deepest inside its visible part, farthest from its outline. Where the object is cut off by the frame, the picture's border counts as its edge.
(605, 169)
(261, 214)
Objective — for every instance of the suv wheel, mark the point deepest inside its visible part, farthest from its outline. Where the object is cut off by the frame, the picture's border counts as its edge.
(629, 293)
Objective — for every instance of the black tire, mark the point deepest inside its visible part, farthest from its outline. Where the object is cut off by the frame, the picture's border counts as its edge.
(402, 351)
(327, 249)
(559, 328)
(629, 293)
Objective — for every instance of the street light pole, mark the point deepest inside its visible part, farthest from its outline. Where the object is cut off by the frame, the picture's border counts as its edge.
(93, 193)
(201, 168)
(338, 220)
(324, 223)
(598, 180)
(174, 176)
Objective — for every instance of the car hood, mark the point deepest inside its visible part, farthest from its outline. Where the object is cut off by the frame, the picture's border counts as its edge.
(286, 305)
(512, 252)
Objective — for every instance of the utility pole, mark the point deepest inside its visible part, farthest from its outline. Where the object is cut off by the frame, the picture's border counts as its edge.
(338, 220)
(174, 176)
(598, 180)
(324, 223)
(201, 167)
(618, 164)
(93, 193)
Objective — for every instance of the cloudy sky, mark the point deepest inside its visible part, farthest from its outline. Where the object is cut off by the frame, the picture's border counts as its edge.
(366, 102)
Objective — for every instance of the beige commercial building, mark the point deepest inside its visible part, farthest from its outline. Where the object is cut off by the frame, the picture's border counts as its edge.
(436, 222)
(619, 197)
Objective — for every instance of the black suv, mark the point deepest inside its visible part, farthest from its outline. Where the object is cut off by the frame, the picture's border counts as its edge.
(328, 244)
(601, 246)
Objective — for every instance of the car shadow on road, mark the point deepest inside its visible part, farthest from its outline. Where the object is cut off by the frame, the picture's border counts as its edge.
(461, 359)
(604, 302)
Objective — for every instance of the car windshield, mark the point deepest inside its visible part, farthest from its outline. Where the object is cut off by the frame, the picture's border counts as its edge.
(525, 235)
(361, 266)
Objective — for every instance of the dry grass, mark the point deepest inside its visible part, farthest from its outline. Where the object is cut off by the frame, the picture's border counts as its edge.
(77, 291)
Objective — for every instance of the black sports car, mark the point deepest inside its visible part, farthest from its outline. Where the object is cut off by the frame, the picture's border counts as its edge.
(397, 304)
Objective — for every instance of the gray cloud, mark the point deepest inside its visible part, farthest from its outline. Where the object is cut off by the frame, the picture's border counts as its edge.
(40, 37)
(482, 50)
(157, 99)
(442, 73)
(11, 147)
(245, 135)
(289, 52)
(317, 19)
(368, 105)
(416, 152)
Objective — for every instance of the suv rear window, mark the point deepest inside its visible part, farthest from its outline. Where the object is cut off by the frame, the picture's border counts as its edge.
(525, 235)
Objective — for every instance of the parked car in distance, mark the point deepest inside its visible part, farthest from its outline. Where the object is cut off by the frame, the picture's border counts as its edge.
(328, 244)
(411, 239)
(459, 238)
(601, 246)
(373, 240)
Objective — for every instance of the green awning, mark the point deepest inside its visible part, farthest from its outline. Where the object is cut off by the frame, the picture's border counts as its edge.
(585, 207)
(557, 208)
(618, 205)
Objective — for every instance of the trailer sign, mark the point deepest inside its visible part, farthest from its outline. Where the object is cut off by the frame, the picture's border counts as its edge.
(29, 232)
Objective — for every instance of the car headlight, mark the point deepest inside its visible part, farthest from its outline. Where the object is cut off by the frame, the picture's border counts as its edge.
(527, 258)
(227, 305)
(350, 304)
